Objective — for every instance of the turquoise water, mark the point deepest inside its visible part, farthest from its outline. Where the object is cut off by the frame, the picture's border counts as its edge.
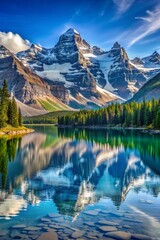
(84, 176)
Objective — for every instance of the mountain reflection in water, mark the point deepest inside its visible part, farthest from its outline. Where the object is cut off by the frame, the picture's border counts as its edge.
(77, 167)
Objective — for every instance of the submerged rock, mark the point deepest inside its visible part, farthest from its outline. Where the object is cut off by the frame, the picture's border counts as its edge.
(32, 229)
(77, 234)
(3, 233)
(19, 226)
(107, 228)
(109, 223)
(51, 235)
(91, 212)
(45, 220)
(120, 235)
(140, 237)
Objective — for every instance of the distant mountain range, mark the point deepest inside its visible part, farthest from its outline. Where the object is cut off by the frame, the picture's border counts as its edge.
(74, 75)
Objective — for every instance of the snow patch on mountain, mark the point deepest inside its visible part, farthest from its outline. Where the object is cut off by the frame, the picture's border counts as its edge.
(89, 55)
(71, 31)
(105, 65)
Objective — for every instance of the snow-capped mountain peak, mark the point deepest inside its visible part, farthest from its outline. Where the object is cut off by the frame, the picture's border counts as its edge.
(71, 31)
(155, 54)
(155, 57)
(152, 61)
(116, 45)
(84, 70)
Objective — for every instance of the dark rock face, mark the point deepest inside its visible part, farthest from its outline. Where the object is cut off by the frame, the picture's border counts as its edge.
(137, 61)
(97, 51)
(59, 91)
(24, 84)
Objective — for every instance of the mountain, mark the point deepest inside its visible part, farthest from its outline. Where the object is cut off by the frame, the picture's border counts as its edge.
(67, 65)
(114, 71)
(27, 87)
(152, 60)
(149, 90)
(73, 74)
(87, 77)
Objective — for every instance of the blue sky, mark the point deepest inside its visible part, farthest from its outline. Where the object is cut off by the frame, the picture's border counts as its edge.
(135, 24)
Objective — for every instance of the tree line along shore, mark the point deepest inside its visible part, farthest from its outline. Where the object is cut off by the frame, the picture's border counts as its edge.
(145, 114)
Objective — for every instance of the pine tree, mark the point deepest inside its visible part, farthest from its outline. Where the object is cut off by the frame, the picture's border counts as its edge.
(3, 116)
(14, 119)
(9, 114)
(5, 96)
(158, 118)
(20, 120)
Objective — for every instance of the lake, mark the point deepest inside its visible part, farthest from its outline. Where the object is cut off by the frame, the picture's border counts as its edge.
(80, 184)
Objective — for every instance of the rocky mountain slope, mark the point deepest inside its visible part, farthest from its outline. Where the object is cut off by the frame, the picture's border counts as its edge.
(27, 87)
(149, 90)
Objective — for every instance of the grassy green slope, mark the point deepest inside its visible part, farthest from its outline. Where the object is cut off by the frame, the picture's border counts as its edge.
(149, 90)
(51, 104)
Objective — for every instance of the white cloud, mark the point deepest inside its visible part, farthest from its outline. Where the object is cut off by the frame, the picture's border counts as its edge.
(150, 24)
(123, 5)
(13, 42)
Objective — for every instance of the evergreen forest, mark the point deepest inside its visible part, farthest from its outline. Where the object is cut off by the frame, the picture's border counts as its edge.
(133, 114)
(9, 112)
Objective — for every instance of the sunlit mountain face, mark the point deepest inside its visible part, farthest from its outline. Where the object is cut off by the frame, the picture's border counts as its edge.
(70, 171)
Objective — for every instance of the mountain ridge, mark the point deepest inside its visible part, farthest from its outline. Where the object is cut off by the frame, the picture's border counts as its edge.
(74, 74)
(111, 70)
(149, 90)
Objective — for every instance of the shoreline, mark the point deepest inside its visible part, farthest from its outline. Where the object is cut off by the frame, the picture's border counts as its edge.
(13, 132)
(39, 124)
(142, 129)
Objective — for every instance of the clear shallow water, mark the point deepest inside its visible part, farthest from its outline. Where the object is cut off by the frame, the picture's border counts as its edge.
(85, 178)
